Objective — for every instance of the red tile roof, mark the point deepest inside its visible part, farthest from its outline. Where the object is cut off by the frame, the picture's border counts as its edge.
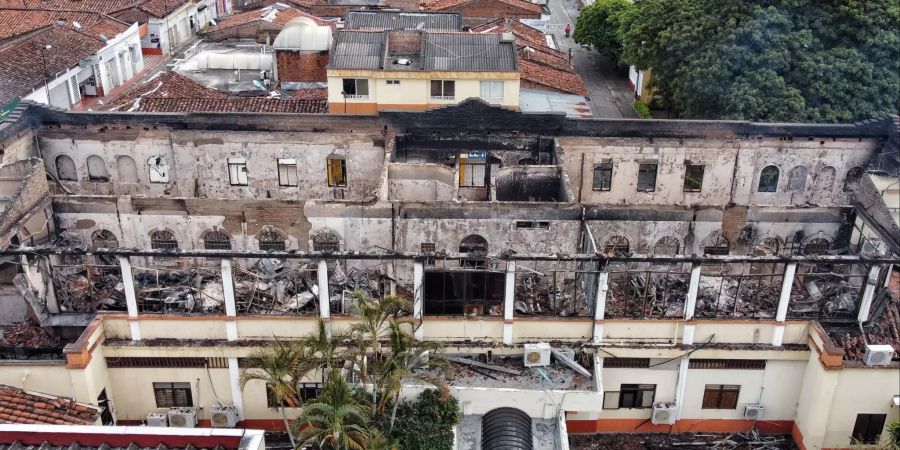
(539, 76)
(17, 21)
(436, 5)
(22, 61)
(282, 17)
(104, 6)
(310, 94)
(20, 406)
(161, 8)
(173, 92)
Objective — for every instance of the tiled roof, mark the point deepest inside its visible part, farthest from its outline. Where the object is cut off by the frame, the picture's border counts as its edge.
(310, 94)
(104, 6)
(523, 32)
(436, 5)
(19, 406)
(22, 64)
(173, 92)
(398, 20)
(16, 21)
(270, 18)
(540, 76)
(161, 8)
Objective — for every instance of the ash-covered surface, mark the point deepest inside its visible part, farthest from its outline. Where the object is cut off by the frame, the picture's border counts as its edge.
(751, 440)
(556, 376)
(882, 329)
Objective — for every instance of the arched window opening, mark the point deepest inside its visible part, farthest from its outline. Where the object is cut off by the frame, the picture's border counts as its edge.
(797, 179)
(97, 169)
(163, 240)
(853, 176)
(667, 245)
(65, 168)
(825, 179)
(816, 246)
(127, 169)
(217, 240)
(159, 169)
(104, 239)
(768, 179)
(476, 248)
(616, 245)
(271, 239)
(326, 241)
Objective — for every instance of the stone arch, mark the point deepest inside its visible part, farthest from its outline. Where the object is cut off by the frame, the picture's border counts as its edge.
(616, 245)
(163, 240)
(65, 168)
(272, 239)
(667, 245)
(96, 167)
(216, 239)
(326, 241)
(127, 169)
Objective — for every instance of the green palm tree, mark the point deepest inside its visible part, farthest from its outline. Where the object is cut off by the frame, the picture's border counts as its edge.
(335, 420)
(372, 328)
(325, 347)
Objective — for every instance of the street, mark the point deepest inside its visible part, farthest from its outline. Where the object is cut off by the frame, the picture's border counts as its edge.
(610, 95)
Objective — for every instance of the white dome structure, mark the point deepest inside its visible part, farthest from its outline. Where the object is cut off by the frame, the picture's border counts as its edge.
(303, 34)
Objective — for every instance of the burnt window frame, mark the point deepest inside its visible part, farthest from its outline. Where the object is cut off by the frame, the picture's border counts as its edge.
(158, 241)
(267, 243)
(476, 257)
(768, 179)
(667, 242)
(798, 178)
(597, 183)
(218, 243)
(428, 248)
(105, 238)
(166, 394)
(59, 174)
(852, 176)
(721, 401)
(644, 172)
(617, 244)
(459, 293)
(326, 242)
(532, 225)
(689, 180)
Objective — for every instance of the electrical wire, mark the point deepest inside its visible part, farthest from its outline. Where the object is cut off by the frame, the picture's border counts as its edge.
(687, 353)
(211, 384)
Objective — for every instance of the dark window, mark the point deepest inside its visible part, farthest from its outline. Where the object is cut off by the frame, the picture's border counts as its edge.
(637, 395)
(356, 88)
(306, 391)
(428, 247)
(106, 416)
(326, 241)
(721, 396)
(768, 179)
(473, 293)
(667, 245)
(867, 429)
(647, 178)
(65, 168)
(271, 240)
(337, 172)
(169, 395)
(626, 363)
(603, 177)
(748, 364)
(853, 175)
(693, 178)
(163, 240)
(530, 225)
(476, 248)
(443, 89)
(816, 246)
(216, 240)
(616, 245)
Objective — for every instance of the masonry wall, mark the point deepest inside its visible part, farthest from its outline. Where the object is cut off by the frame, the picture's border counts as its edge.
(301, 66)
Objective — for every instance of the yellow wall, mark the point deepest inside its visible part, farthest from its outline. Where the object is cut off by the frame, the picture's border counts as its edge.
(133, 389)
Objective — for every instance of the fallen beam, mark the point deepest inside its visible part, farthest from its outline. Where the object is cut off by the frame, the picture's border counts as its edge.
(482, 365)
(563, 358)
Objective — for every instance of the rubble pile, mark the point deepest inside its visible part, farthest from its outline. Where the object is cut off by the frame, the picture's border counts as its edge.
(738, 297)
(882, 329)
(28, 334)
(538, 294)
(751, 440)
(554, 376)
(89, 288)
(823, 295)
(630, 295)
(195, 290)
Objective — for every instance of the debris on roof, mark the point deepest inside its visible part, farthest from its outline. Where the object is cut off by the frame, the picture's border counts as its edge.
(20, 406)
(751, 440)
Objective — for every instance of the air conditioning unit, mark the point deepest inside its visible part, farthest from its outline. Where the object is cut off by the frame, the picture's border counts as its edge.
(182, 417)
(754, 412)
(223, 416)
(157, 420)
(537, 355)
(664, 414)
(879, 355)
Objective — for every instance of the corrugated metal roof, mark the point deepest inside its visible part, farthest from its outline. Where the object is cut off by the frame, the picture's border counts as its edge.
(357, 50)
(468, 52)
(397, 20)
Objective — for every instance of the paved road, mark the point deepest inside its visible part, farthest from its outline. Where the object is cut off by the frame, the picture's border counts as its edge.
(611, 96)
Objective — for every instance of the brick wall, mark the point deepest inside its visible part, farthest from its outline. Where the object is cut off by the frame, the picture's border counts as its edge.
(31, 195)
(733, 220)
(301, 66)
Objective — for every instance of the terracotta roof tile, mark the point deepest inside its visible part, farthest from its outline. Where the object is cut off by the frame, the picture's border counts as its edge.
(104, 6)
(436, 5)
(281, 17)
(310, 94)
(20, 406)
(539, 76)
(17, 21)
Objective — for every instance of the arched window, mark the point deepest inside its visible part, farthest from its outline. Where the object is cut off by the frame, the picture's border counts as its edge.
(271, 239)
(216, 240)
(104, 239)
(163, 240)
(97, 169)
(769, 246)
(476, 247)
(326, 241)
(716, 244)
(65, 168)
(768, 179)
(825, 179)
(816, 246)
(853, 176)
(667, 245)
(797, 179)
(616, 245)
(159, 169)
(127, 169)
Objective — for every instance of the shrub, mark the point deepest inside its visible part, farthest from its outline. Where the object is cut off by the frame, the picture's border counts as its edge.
(642, 110)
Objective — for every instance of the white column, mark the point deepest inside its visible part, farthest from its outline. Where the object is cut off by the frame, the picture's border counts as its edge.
(324, 295)
(690, 304)
(784, 300)
(680, 385)
(509, 303)
(418, 299)
(130, 297)
(234, 376)
(230, 306)
(868, 294)
(600, 305)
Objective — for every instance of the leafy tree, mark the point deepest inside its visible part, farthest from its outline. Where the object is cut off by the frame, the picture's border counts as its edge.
(427, 423)
(894, 434)
(598, 24)
(778, 60)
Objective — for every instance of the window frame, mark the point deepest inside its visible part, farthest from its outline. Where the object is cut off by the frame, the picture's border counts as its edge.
(643, 171)
(872, 434)
(602, 168)
(163, 244)
(287, 163)
(638, 390)
(688, 179)
(771, 184)
(234, 172)
(160, 388)
(491, 87)
(719, 390)
(336, 171)
(392, 82)
(468, 171)
(356, 86)
(442, 84)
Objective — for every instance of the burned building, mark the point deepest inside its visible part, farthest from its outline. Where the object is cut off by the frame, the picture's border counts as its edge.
(705, 270)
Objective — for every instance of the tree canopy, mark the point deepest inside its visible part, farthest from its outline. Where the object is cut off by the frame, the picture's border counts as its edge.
(598, 25)
(774, 60)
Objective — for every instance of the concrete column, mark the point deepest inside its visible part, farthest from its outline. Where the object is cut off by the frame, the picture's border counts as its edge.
(230, 305)
(790, 269)
(234, 377)
(690, 305)
(418, 299)
(868, 294)
(130, 297)
(324, 295)
(600, 305)
(680, 385)
(509, 303)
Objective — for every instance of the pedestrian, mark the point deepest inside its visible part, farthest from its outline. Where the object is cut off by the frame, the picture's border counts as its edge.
(568, 29)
